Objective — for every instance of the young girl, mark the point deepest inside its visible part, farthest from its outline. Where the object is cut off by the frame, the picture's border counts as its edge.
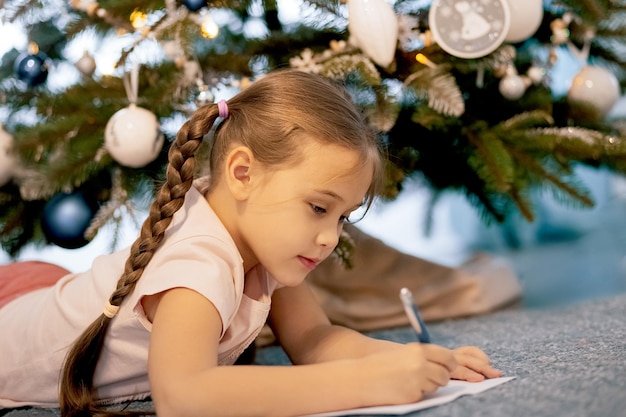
(289, 160)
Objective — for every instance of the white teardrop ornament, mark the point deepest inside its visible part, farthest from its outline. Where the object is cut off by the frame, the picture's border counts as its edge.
(373, 27)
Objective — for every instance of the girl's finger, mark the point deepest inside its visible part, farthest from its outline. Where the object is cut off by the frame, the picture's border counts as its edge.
(474, 352)
(440, 355)
(478, 365)
(465, 374)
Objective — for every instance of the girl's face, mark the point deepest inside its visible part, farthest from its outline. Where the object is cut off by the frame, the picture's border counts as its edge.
(293, 218)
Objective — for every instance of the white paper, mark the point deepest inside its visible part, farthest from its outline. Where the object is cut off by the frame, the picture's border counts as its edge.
(450, 392)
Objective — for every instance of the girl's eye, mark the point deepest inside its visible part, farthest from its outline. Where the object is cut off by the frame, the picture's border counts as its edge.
(318, 209)
(344, 219)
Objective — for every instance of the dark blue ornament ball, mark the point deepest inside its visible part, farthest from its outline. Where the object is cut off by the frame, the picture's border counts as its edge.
(32, 68)
(194, 5)
(65, 219)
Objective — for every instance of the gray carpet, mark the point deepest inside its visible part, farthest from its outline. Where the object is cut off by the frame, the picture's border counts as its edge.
(569, 361)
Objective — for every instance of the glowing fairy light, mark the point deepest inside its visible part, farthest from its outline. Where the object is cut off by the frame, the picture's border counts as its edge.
(138, 19)
(208, 27)
(33, 48)
(422, 59)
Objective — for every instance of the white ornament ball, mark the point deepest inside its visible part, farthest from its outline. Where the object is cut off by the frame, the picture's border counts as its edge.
(86, 64)
(7, 159)
(512, 86)
(133, 136)
(596, 87)
(526, 17)
(536, 74)
(373, 27)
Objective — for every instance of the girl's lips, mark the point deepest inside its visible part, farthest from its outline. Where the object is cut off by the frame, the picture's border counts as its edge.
(309, 263)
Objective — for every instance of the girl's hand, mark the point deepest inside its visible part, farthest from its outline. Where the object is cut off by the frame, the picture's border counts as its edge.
(404, 374)
(472, 365)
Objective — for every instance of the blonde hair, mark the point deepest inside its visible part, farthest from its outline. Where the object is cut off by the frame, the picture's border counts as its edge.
(271, 117)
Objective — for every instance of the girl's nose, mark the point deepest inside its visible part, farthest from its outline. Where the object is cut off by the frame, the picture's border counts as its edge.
(329, 236)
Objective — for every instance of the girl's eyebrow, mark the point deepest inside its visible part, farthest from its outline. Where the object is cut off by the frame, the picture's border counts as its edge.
(336, 196)
(330, 193)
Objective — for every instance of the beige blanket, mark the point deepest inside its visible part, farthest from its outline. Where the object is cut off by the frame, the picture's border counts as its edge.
(366, 297)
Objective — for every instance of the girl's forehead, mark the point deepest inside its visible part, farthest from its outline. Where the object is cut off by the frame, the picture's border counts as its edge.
(330, 159)
(324, 165)
(338, 168)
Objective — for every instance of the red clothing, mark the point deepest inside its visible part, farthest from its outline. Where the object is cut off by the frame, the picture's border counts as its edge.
(22, 277)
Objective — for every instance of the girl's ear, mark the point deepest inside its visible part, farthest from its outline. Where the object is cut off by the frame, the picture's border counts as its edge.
(238, 168)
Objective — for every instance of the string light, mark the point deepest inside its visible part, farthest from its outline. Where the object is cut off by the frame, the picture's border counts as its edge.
(209, 28)
(33, 48)
(422, 59)
(138, 19)
(107, 68)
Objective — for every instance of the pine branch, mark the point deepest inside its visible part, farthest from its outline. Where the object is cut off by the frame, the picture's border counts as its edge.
(523, 205)
(444, 95)
(525, 120)
(532, 165)
(492, 161)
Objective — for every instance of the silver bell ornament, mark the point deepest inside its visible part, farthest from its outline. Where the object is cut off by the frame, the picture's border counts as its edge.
(512, 86)
(133, 136)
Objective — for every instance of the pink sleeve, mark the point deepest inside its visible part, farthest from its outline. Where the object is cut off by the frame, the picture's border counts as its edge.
(205, 265)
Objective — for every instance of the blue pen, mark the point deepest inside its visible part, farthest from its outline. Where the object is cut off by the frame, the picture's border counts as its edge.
(410, 308)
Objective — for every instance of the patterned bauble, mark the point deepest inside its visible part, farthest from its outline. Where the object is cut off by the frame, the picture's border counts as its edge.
(7, 159)
(373, 28)
(194, 5)
(32, 68)
(594, 87)
(65, 219)
(133, 136)
(469, 28)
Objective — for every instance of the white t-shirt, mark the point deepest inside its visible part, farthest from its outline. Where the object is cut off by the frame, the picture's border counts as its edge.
(37, 329)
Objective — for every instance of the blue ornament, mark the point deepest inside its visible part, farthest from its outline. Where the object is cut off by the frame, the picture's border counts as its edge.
(194, 5)
(66, 217)
(32, 68)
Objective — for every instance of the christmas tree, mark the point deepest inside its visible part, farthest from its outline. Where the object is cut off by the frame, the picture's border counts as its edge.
(464, 94)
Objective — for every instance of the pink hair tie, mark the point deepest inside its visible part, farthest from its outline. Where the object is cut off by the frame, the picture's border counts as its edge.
(222, 108)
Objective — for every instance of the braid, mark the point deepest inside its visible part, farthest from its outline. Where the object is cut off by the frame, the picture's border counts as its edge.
(169, 199)
(76, 395)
